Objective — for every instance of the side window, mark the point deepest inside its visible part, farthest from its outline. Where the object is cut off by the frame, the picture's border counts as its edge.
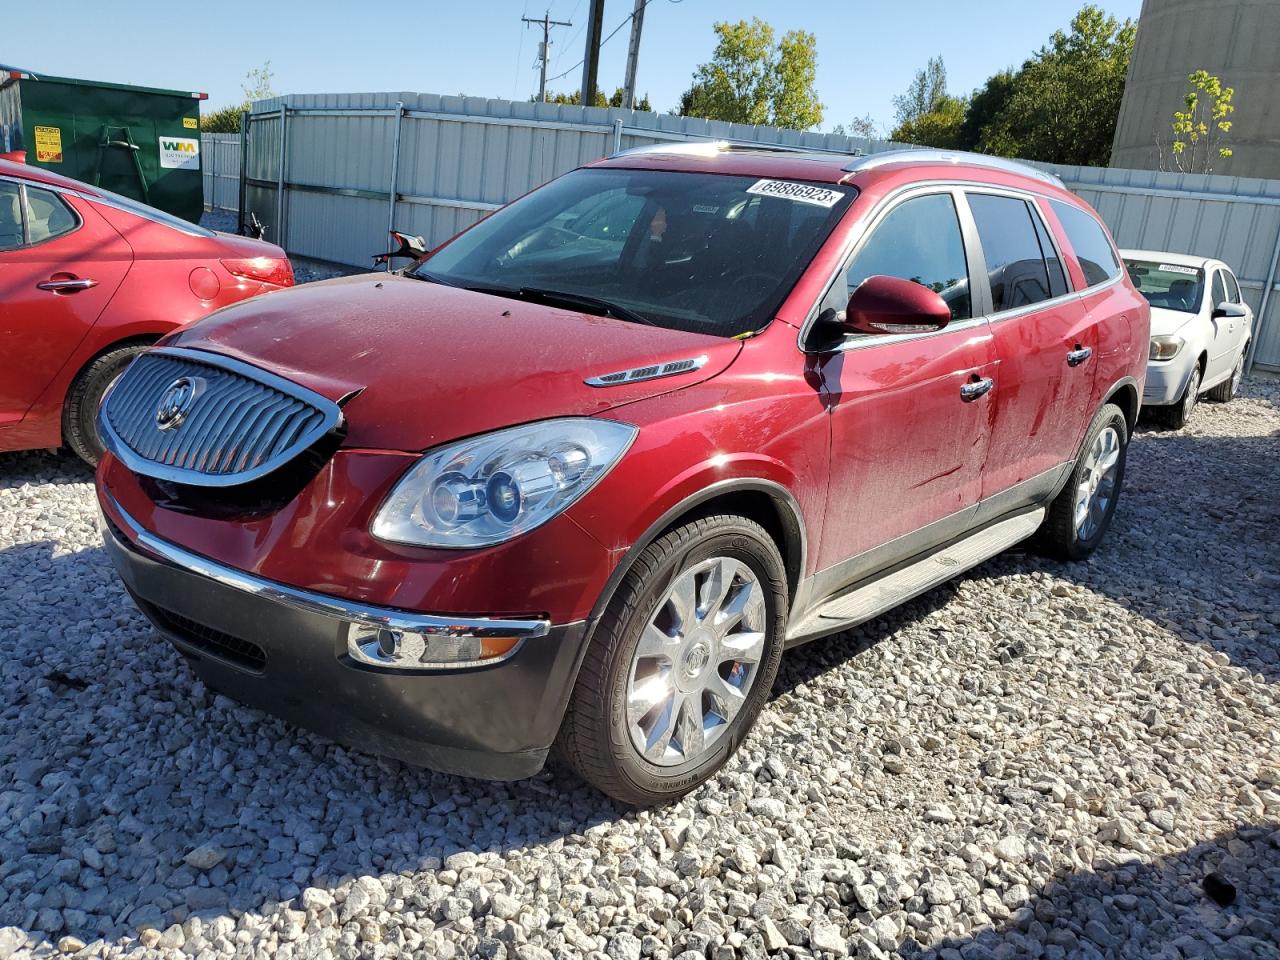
(10, 216)
(919, 240)
(1089, 241)
(1015, 264)
(48, 215)
(1233, 288)
(1219, 290)
(1057, 276)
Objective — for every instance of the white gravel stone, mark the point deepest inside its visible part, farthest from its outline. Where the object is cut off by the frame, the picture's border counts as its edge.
(1038, 759)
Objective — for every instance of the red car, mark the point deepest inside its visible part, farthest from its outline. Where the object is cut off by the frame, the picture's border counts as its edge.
(582, 473)
(88, 280)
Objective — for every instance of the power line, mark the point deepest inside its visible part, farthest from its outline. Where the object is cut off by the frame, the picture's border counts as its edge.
(544, 51)
(611, 35)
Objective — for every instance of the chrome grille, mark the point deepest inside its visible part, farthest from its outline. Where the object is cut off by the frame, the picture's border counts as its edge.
(207, 420)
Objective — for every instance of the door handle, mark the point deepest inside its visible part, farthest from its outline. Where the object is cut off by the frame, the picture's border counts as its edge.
(67, 286)
(1079, 355)
(972, 391)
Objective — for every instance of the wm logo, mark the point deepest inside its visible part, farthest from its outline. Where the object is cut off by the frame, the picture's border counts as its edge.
(178, 146)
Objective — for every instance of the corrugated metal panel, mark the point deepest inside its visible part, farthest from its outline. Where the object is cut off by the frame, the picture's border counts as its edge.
(221, 169)
(461, 156)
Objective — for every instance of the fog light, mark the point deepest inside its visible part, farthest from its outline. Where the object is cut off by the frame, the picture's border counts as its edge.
(412, 650)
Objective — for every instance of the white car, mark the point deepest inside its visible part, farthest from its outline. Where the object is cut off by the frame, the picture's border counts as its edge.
(1200, 330)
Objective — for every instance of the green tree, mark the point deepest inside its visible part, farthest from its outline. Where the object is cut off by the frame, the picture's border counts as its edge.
(864, 126)
(1064, 101)
(754, 78)
(940, 127)
(985, 107)
(925, 95)
(575, 99)
(1199, 131)
(257, 86)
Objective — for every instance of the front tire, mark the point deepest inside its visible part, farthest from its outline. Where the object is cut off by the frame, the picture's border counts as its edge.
(1079, 516)
(681, 662)
(80, 411)
(1177, 416)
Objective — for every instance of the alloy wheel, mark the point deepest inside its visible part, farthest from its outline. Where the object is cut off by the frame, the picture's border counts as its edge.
(1192, 395)
(1097, 486)
(696, 661)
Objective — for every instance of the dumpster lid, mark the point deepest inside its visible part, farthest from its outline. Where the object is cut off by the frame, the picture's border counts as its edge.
(8, 73)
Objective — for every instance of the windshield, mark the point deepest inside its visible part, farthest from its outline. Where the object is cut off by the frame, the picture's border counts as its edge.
(1168, 285)
(690, 251)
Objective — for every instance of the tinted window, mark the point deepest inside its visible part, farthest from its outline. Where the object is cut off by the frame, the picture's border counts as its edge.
(47, 215)
(1219, 289)
(1233, 288)
(1057, 276)
(1171, 286)
(1015, 265)
(1094, 251)
(919, 240)
(10, 216)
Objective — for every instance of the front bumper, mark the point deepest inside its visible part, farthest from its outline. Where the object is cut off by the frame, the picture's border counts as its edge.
(285, 651)
(1166, 379)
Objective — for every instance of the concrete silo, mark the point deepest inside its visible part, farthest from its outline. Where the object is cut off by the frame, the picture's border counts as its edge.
(1237, 40)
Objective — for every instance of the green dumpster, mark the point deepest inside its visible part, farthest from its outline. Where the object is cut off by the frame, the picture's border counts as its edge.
(138, 141)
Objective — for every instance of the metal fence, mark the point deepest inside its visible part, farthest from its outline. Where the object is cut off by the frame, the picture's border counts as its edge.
(220, 167)
(330, 174)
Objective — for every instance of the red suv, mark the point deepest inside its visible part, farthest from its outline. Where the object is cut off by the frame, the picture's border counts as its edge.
(88, 280)
(583, 472)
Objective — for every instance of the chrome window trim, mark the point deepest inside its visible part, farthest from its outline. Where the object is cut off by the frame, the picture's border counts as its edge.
(332, 419)
(343, 611)
(191, 230)
(901, 195)
(26, 227)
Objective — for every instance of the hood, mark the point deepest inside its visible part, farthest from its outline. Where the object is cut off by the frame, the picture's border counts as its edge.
(1165, 322)
(430, 363)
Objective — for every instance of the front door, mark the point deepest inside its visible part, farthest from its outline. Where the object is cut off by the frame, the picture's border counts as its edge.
(907, 442)
(60, 264)
(1223, 349)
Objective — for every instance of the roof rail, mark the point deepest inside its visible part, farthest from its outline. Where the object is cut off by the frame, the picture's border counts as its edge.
(710, 148)
(951, 156)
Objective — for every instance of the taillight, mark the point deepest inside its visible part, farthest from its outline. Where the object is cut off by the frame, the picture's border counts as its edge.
(275, 270)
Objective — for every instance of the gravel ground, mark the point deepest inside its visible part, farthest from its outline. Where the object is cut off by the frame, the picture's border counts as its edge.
(1037, 760)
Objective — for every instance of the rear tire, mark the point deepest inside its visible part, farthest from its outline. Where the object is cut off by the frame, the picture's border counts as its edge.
(80, 411)
(1067, 534)
(1226, 391)
(604, 729)
(1177, 416)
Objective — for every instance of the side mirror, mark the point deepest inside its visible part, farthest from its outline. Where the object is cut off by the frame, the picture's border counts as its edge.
(1228, 310)
(408, 246)
(883, 304)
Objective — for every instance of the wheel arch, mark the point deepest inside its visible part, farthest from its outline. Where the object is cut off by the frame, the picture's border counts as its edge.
(134, 340)
(1124, 394)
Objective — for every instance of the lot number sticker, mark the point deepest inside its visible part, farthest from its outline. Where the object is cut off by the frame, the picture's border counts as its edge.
(1177, 268)
(48, 145)
(801, 192)
(177, 153)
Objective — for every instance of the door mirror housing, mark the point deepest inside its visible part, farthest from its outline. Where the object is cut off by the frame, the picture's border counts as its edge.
(1228, 310)
(882, 304)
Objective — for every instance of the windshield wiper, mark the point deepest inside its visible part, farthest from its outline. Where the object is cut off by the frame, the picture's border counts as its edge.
(429, 278)
(582, 301)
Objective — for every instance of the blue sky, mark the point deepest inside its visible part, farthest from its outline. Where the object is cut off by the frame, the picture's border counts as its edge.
(868, 50)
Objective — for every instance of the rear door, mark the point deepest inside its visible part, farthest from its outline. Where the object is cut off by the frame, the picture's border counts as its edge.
(906, 445)
(60, 264)
(1045, 340)
(1244, 326)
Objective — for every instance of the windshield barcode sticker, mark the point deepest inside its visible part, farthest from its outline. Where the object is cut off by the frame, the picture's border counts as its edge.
(1178, 268)
(802, 192)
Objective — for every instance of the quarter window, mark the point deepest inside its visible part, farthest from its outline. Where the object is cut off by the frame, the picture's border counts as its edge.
(47, 215)
(1089, 241)
(1015, 263)
(919, 240)
(1233, 288)
(10, 216)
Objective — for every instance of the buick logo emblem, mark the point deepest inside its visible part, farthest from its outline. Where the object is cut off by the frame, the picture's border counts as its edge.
(176, 403)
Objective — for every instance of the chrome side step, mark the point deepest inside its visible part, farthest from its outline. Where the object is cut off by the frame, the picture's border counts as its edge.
(874, 598)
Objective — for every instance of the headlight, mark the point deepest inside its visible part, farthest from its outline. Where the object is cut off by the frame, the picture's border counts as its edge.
(494, 487)
(1164, 348)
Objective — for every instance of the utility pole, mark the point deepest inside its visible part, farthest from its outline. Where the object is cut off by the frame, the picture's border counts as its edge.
(591, 59)
(633, 56)
(544, 50)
